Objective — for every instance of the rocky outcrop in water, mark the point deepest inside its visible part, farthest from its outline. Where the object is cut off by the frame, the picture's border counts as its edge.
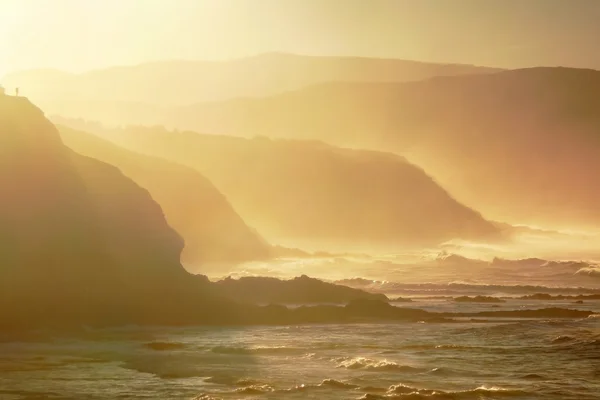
(478, 299)
(546, 297)
(300, 290)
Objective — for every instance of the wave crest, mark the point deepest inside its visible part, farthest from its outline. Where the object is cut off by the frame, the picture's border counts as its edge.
(402, 391)
(252, 350)
(255, 389)
(368, 364)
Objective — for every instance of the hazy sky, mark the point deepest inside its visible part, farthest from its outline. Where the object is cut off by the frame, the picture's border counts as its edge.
(83, 34)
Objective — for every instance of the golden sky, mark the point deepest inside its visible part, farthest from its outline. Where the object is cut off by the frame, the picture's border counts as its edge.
(78, 35)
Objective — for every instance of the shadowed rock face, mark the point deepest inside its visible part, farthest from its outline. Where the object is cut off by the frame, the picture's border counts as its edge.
(82, 244)
(213, 231)
(520, 146)
(309, 192)
(79, 241)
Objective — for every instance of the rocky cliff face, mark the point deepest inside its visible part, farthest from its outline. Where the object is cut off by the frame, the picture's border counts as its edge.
(214, 233)
(79, 241)
(315, 195)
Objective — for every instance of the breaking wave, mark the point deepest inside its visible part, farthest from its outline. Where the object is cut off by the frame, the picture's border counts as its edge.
(367, 364)
(460, 288)
(232, 350)
(402, 391)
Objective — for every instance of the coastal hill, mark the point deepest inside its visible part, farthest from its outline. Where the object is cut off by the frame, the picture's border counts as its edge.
(521, 146)
(81, 244)
(186, 82)
(312, 195)
(213, 232)
(79, 241)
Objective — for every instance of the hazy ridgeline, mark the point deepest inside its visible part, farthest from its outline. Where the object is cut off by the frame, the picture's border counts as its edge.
(308, 192)
(518, 146)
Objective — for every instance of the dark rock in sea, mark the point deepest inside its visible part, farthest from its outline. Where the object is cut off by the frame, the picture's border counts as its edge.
(478, 299)
(401, 300)
(553, 312)
(578, 302)
(546, 297)
(300, 290)
(538, 296)
(533, 377)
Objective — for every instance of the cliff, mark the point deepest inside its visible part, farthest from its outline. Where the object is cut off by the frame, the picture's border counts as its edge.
(80, 243)
(213, 232)
(310, 194)
(520, 146)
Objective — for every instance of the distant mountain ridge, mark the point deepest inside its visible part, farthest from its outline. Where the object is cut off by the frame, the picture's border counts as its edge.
(170, 83)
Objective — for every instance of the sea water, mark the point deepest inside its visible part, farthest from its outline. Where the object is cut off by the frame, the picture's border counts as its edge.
(495, 359)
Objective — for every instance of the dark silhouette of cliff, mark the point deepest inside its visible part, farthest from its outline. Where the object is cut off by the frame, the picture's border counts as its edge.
(80, 242)
(520, 146)
(308, 193)
(213, 232)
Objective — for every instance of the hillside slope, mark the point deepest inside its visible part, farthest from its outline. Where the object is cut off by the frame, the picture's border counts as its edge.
(521, 146)
(82, 244)
(212, 230)
(305, 193)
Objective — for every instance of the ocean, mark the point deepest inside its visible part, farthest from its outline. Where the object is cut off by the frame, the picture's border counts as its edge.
(488, 359)
(491, 358)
